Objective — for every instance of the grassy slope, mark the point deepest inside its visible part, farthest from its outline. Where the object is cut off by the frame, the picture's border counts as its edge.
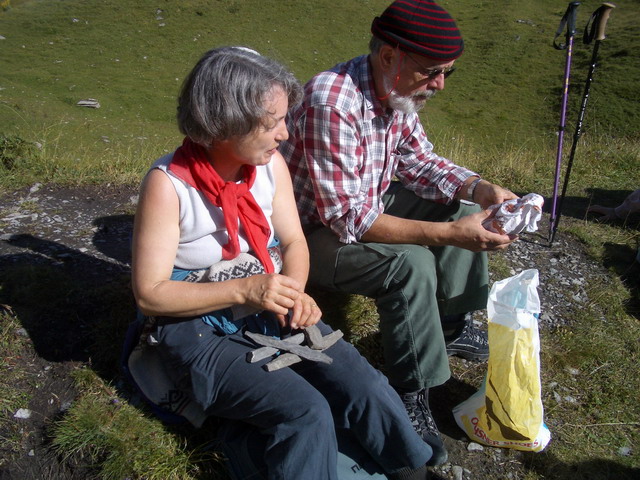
(132, 55)
(513, 76)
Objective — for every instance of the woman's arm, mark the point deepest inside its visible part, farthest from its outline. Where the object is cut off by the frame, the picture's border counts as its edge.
(286, 223)
(155, 242)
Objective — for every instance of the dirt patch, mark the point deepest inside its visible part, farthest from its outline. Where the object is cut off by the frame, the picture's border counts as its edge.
(58, 247)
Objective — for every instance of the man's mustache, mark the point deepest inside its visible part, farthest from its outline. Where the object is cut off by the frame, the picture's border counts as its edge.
(427, 94)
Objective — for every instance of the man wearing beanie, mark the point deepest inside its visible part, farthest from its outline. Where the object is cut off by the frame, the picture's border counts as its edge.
(372, 195)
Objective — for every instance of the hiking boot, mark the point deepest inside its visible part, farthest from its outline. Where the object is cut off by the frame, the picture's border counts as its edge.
(468, 341)
(417, 405)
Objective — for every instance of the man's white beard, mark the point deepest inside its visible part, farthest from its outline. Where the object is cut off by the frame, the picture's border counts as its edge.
(406, 104)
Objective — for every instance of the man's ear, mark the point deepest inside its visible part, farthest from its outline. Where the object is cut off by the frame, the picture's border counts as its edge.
(387, 55)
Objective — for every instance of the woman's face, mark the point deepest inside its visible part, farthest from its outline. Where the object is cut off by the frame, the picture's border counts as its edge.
(258, 147)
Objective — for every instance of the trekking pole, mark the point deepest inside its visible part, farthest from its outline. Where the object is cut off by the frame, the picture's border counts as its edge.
(598, 22)
(568, 19)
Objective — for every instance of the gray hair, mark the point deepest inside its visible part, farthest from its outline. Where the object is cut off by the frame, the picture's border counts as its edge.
(375, 44)
(224, 95)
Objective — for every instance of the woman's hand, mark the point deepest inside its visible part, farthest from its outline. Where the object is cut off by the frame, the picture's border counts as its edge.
(305, 312)
(274, 292)
(281, 295)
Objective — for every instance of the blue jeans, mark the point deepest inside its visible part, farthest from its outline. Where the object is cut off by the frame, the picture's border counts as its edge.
(296, 409)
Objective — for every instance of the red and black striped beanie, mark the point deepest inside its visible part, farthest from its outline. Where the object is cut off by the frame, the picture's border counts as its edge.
(420, 26)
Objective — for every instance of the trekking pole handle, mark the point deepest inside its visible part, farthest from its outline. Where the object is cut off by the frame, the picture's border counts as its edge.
(572, 14)
(568, 19)
(602, 19)
(598, 23)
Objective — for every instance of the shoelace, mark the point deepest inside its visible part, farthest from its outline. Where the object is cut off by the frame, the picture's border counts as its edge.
(471, 332)
(419, 413)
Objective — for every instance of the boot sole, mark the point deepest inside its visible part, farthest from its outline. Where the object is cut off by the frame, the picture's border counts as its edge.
(468, 355)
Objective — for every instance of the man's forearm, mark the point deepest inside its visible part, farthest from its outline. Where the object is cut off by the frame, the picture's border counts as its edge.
(390, 229)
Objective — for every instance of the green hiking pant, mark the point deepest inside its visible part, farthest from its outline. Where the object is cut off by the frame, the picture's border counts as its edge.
(412, 285)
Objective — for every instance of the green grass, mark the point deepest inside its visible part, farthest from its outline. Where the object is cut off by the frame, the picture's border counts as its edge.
(12, 347)
(498, 116)
(120, 440)
(132, 56)
(13, 350)
(592, 363)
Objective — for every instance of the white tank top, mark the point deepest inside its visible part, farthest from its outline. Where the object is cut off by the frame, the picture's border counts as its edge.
(202, 228)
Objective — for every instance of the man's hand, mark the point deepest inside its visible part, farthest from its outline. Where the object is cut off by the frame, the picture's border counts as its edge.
(487, 194)
(469, 233)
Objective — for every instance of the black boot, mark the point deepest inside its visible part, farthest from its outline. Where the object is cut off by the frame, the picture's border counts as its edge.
(464, 339)
(417, 405)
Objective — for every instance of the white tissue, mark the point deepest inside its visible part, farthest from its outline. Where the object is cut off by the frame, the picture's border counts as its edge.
(514, 216)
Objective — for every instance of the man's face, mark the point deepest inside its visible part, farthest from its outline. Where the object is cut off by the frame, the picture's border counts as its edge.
(414, 80)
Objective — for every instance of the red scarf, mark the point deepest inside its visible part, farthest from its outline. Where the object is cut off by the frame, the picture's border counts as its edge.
(191, 164)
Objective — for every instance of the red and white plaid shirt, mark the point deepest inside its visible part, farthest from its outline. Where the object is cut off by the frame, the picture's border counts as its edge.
(344, 150)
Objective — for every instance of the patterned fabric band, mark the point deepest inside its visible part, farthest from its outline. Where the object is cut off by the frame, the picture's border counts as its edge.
(232, 319)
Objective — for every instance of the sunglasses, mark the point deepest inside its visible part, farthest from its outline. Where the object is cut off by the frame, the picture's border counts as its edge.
(431, 73)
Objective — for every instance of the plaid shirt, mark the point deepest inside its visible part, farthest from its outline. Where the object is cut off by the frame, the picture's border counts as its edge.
(344, 150)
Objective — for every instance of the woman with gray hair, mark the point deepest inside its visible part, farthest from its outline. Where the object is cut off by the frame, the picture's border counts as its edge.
(219, 256)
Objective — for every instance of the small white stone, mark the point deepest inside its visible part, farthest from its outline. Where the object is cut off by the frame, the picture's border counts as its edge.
(456, 470)
(89, 102)
(624, 451)
(22, 413)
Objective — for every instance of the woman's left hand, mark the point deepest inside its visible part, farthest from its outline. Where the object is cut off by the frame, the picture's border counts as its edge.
(304, 313)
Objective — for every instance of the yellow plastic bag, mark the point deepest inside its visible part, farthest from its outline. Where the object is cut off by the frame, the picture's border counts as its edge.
(507, 409)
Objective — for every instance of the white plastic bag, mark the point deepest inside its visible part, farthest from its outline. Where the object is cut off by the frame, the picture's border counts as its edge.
(507, 409)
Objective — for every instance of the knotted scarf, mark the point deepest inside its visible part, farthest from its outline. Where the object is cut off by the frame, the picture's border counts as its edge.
(191, 164)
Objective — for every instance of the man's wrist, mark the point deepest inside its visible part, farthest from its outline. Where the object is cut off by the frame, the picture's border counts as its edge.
(471, 189)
